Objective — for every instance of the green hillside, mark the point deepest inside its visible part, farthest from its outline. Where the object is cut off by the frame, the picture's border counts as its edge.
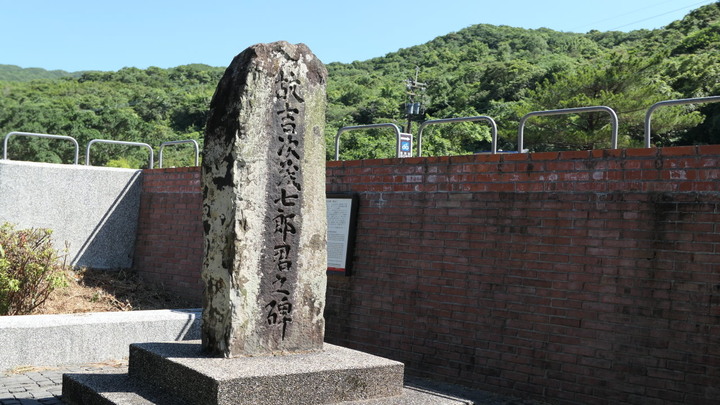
(506, 72)
(499, 71)
(12, 73)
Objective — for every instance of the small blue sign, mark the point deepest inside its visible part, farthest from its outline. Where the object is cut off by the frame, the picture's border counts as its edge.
(405, 145)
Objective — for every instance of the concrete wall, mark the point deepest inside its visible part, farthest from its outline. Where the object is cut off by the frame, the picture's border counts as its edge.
(52, 340)
(93, 209)
(586, 277)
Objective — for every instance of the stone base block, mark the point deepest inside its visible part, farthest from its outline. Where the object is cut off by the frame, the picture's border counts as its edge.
(115, 388)
(181, 371)
(332, 375)
(111, 388)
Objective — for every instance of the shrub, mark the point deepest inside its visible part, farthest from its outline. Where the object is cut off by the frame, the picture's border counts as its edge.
(30, 269)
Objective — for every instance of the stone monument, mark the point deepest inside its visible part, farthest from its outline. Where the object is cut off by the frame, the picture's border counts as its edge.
(265, 259)
(263, 178)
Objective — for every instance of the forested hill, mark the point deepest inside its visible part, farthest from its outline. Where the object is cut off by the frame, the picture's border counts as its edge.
(500, 71)
(14, 73)
(505, 72)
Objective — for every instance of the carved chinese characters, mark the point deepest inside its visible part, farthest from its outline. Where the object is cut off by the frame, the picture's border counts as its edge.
(263, 203)
(286, 197)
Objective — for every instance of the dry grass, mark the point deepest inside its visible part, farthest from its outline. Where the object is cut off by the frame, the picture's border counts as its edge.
(108, 290)
(38, 369)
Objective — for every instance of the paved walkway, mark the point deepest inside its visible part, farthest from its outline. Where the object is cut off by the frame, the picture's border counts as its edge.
(43, 385)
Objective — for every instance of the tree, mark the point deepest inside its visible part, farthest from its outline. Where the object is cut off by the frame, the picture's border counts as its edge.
(627, 84)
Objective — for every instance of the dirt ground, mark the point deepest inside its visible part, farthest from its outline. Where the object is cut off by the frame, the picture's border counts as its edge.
(108, 290)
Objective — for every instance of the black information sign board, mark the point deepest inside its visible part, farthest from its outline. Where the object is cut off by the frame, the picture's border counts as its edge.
(341, 223)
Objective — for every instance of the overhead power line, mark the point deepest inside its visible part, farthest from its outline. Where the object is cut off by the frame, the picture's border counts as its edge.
(662, 14)
(592, 25)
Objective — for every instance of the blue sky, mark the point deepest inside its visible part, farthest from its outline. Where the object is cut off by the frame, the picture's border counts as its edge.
(77, 35)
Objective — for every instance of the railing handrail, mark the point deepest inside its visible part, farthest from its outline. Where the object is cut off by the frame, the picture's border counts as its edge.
(87, 151)
(521, 128)
(64, 137)
(369, 126)
(696, 100)
(493, 127)
(194, 142)
(562, 111)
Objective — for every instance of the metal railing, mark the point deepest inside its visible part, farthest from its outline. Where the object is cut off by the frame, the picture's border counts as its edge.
(370, 126)
(63, 137)
(396, 129)
(87, 151)
(493, 128)
(194, 142)
(648, 114)
(610, 111)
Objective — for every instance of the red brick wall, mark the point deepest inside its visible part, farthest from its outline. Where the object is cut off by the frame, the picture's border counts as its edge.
(573, 277)
(577, 277)
(169, 244)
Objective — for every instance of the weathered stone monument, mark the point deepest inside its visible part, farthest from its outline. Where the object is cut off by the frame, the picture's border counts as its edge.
(265, 260)
(263, 177)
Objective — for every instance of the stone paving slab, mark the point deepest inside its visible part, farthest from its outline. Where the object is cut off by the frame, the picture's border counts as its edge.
(42, 386)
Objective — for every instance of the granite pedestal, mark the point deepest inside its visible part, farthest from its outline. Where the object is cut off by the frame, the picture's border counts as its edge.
(179, 373)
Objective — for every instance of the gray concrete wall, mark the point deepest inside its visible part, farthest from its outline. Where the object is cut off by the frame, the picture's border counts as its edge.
(92, 209)
(52, 340)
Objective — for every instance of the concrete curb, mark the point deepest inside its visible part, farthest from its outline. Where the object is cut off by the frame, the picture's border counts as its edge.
(52, 340)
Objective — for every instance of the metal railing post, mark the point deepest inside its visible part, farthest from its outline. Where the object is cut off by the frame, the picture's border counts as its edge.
(194, 142)
(493, 127)
(87, 150)
(370, 126)
(648, 114)
(64, 137)
(610, 111)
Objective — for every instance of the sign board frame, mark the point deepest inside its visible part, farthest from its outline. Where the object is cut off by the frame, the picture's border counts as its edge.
(342, 212)
(405, 144)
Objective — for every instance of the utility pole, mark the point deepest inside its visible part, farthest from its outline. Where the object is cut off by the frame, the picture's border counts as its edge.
(414, 88)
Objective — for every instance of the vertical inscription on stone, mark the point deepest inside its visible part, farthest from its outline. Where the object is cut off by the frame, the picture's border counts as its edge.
(286, 195)
(264, 205)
